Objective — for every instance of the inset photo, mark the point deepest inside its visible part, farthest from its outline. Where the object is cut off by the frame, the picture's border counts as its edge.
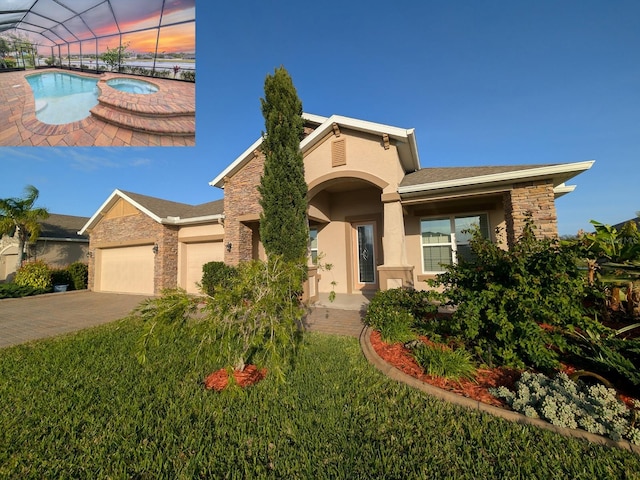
(97, 73)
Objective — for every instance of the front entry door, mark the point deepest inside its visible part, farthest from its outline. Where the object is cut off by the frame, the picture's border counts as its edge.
(365, 275)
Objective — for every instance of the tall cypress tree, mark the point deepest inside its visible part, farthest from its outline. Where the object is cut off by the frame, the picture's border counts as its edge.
(283, 223)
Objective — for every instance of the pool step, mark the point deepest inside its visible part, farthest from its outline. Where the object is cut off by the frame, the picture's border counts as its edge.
(156, 122)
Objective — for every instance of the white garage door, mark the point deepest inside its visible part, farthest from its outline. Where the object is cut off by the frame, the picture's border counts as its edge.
(197, 254)
(126, 269)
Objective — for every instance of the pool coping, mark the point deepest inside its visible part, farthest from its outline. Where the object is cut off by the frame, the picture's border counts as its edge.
(395, 374)
(20, 126)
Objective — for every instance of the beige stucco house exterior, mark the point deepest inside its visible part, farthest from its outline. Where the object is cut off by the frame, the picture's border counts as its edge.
(375, 214)
(58, 245)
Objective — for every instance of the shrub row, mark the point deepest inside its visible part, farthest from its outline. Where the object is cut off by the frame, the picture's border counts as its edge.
(39, 275)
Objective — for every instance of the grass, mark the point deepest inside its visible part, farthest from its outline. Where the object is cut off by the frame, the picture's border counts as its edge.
(80, 406)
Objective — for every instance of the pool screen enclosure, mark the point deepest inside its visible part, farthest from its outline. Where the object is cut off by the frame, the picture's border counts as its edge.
(156, 37)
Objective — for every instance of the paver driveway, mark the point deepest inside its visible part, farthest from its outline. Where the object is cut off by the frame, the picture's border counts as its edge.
(30, 318)
(41, 316)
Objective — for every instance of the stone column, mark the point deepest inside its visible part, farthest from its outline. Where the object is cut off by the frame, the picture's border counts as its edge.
(537, 199)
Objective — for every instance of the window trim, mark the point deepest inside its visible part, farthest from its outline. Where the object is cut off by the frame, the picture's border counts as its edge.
(454, 243)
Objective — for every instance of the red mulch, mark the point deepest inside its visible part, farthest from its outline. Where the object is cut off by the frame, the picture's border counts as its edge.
(219, 379)
(400, 357)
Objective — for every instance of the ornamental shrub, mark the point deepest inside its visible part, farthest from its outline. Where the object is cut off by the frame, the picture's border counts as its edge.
(217, 275)
(386, 307)
(34, 274)
(444, 362)
(61, 276)
(79, 273)
(503, 297)
(565, 403)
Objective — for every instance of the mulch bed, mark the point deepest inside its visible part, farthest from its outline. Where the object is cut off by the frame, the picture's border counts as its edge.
(400, 357)
(219, 380)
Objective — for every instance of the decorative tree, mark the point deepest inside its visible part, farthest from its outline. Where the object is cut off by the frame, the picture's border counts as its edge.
(114, 57)
(284, 227)
(19, 218)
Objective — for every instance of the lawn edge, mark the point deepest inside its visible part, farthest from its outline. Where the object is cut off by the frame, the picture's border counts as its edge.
(399, 376)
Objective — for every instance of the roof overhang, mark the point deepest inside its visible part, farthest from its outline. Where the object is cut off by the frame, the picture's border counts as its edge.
(117, 194)
(108, 204)
(218, 218)
(559, 174)
(405, 141)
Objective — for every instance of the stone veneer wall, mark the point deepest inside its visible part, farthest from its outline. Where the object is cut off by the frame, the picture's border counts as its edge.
(139, 229)
(534, 197)
(241, 197)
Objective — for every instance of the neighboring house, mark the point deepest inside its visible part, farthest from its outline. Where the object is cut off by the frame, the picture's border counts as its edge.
(375, 214)
(58, 245)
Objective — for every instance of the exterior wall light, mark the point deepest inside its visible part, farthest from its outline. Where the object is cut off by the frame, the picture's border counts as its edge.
(228, 246)
(155, 249)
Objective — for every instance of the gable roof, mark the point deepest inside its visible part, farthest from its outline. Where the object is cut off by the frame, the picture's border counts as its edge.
(62, 227)
(455, 178)
(160, 210)
(405, 141)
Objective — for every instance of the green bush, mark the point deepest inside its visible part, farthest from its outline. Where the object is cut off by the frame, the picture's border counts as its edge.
(79, 274)
(34, 274)
(398, 327)
(444, 362)
(565, 403)
(503, 297)
(61, 276)
(392, 306)
(11, 290)
(188, 75)
(217, 275)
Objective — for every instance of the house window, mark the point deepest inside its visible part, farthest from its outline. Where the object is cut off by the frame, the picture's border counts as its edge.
(445, 240)
(313, 245)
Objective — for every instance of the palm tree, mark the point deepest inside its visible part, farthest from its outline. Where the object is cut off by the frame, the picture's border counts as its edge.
(19, 219)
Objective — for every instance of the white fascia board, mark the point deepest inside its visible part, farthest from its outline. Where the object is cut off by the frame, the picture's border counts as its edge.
(402, 134)
(546, 171)
(563, 189)
(109, 201)
(244, 156)
(237, 163)
(186, 221)
(56, 239)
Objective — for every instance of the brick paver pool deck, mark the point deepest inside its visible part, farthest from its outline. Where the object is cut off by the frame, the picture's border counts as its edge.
(165, 118)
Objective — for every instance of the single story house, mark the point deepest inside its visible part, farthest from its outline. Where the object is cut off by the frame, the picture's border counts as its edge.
(375, 214)
(58, 245)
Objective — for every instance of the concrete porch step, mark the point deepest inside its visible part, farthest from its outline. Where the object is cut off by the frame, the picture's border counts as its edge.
(344, 301)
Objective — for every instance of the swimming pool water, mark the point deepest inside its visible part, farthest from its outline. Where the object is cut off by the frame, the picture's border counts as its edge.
(131, 85)
(63, 98)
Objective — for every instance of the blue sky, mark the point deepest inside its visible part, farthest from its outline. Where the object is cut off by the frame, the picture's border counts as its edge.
(482, 83)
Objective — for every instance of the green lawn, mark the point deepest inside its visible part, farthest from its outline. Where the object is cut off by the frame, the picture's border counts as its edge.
(82, 407)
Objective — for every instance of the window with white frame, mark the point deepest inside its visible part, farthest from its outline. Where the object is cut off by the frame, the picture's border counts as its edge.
(313, 245)
(446, 239)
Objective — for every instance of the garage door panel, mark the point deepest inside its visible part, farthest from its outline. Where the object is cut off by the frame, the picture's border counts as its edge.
(197, 254)
(127, 270)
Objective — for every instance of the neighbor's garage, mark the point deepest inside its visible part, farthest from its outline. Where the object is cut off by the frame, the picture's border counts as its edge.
(125, 269)
(194, 256)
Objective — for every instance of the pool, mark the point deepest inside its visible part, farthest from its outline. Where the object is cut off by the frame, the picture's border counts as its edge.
(131, 85)
(62, 97)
